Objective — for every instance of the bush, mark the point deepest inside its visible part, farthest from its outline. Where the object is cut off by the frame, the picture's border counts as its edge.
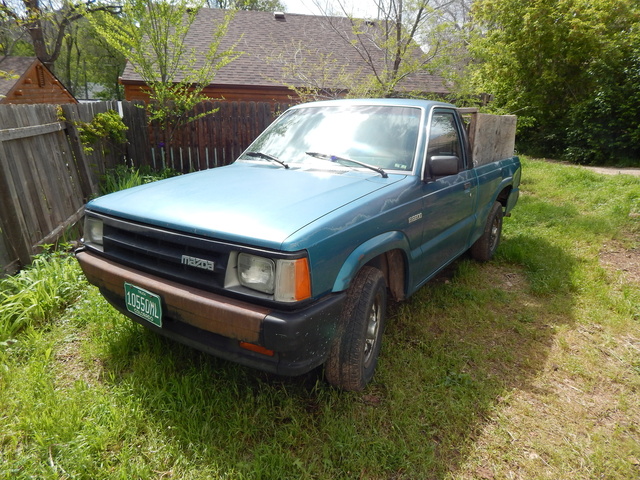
(104, 126)
(604, 128)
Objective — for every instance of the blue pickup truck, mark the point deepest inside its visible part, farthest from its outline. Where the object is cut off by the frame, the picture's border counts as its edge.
(285, 259)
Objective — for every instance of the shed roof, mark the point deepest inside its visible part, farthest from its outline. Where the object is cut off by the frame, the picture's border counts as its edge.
(15, 67)
(268, 42)
(28, 80)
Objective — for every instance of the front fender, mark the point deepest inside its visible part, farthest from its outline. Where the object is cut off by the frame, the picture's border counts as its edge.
(367, 251)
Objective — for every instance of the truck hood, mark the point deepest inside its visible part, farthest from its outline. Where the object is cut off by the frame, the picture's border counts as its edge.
(244, 202)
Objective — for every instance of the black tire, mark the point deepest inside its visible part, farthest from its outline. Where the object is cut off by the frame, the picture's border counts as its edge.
(354, 355)
(486, 245)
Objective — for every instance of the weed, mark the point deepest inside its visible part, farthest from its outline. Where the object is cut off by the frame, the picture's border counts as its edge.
(40, 292)
(123, 177)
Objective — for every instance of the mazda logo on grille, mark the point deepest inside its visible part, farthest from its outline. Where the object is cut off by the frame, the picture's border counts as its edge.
(197, 262)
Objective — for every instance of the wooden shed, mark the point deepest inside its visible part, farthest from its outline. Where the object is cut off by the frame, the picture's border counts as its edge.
(27, 80)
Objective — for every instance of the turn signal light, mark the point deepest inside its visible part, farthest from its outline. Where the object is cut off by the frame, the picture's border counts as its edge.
(257, 348)
(294, 280)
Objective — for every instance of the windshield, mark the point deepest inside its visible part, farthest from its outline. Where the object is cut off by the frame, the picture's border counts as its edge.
(378, 135)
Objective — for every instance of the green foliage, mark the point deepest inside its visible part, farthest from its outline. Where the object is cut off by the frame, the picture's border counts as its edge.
(104, 126)
(14, 47)
(88, 66)
(39, 292)
(604, 128)
(151, 34)
(551, 62)
(123, 177)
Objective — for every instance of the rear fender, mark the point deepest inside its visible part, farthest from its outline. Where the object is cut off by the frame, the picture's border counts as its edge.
(508, 186)
(514, 193)
(507, 192)
(366, 252)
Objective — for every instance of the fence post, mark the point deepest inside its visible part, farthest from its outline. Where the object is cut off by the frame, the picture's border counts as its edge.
(82, 167)
(10, 221)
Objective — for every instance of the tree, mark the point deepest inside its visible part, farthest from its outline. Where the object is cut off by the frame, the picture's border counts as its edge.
(401, 28)
(313, 75)
(543, 58)
(454, 26)
(46, 24)
(389, 48)
(604, 127)
(88, 63)
(151, 34)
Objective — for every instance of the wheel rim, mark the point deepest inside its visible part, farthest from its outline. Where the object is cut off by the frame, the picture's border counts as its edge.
(373, 327)
(495, 233)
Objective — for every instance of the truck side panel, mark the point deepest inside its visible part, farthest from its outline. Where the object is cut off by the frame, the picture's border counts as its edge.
(449, 216)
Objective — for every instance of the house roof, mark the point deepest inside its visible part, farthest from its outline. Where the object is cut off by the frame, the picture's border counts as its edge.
(271, 44)
(15, 67)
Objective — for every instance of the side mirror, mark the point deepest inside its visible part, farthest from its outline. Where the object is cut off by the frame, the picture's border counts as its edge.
(443, 165)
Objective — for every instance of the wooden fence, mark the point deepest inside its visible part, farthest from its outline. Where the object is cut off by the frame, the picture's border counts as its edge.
(222, 131)
(41, 187)
(46, 176)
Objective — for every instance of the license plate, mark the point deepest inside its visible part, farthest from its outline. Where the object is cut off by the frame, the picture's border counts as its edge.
(143, 303)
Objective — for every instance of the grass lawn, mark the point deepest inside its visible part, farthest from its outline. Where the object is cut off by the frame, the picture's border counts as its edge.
(526, 367)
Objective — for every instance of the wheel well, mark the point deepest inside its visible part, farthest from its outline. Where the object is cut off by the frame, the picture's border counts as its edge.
(392, 264)
(503, 197)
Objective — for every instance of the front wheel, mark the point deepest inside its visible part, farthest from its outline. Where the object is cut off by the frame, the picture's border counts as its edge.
(354, 355)
(486, 245)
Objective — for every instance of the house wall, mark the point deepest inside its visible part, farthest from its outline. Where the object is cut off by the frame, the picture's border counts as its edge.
(38, 85)
(228, 93)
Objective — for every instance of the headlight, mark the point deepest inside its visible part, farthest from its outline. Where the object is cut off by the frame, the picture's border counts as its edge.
(93, 232)
(257, 273)
(286, 280)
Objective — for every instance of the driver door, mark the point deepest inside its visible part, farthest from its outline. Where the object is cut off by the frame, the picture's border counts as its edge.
(449, 197)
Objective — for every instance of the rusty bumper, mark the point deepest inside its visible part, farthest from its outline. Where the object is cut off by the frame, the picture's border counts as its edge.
(216, 324)
(199, 308)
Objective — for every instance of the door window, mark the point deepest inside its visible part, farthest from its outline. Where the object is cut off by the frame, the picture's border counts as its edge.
(444, 138)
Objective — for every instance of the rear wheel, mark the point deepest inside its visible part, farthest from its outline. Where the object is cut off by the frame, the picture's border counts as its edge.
(354, 355)
(486, 245)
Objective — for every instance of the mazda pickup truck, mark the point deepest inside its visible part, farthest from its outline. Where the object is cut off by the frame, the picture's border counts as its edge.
(285, 260)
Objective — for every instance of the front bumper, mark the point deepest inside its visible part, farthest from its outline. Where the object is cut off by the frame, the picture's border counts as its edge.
(217, 324)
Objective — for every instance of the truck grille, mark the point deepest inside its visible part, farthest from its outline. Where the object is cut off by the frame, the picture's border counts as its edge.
(176, 256)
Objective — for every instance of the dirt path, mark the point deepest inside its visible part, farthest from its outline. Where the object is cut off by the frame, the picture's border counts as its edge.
(604, 170)
(615, 171)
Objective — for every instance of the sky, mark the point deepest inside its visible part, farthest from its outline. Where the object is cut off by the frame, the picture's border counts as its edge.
(359, 8)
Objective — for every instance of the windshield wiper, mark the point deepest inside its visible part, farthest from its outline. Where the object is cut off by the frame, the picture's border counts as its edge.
(266, 156)
(335, 158)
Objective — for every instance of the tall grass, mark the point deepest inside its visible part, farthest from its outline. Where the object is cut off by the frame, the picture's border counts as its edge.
(40, 292)
(525, 367)
(123, 177)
